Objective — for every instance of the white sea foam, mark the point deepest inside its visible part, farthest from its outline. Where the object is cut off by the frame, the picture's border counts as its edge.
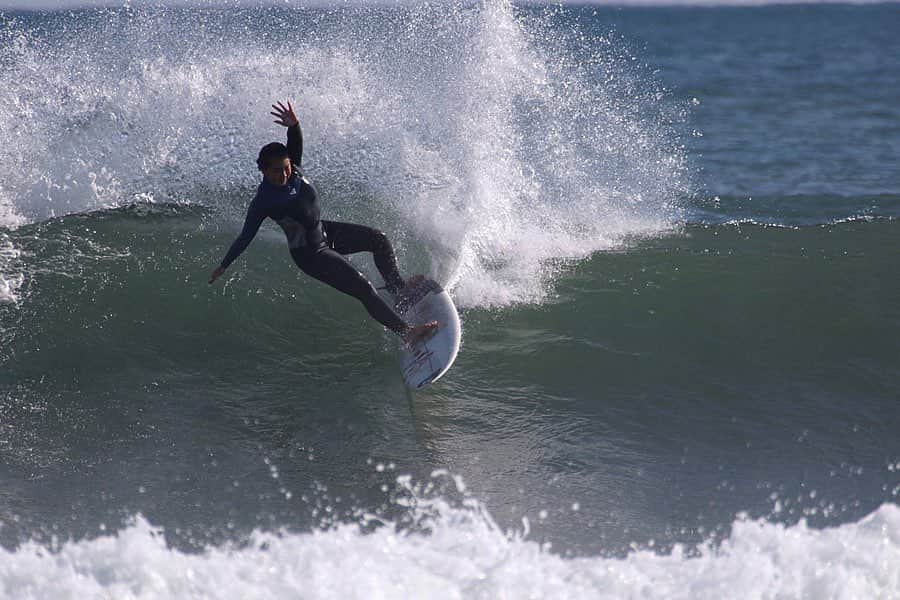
(463, 556)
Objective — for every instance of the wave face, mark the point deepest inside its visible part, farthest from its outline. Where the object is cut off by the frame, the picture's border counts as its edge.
(774, 346)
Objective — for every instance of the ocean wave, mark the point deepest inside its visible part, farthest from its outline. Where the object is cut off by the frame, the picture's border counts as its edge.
(460, 552)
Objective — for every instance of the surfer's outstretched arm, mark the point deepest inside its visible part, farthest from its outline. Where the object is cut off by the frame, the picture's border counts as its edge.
(285, 116)
(255, 217)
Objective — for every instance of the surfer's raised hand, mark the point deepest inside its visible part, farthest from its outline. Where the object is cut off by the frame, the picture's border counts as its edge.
(216, 274)
(285, 114)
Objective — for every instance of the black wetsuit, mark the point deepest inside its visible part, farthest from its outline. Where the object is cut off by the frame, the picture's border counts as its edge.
(317, 246)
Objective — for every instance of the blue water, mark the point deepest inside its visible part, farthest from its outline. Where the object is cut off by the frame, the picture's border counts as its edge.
(672, 233)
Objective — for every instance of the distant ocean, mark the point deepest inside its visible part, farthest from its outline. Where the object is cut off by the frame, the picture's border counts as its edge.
(673, 234)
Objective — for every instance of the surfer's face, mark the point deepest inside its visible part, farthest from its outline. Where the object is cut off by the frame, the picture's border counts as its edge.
(278, 171)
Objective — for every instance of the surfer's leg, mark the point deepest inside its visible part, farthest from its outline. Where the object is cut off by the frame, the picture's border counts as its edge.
(330, 267)
(349, 238)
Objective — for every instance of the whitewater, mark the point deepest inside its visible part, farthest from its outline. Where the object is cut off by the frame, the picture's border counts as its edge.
(463, 555)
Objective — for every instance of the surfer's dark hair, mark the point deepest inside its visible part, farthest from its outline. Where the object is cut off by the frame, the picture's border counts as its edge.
(270, 152)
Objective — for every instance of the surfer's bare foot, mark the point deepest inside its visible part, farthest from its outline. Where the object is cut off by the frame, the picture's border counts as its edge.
(420, 333)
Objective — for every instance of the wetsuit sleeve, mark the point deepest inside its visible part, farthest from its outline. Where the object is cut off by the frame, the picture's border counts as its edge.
(255, 217)
(295, 144)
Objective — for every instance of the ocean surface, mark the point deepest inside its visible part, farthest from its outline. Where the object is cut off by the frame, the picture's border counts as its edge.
(673, 234)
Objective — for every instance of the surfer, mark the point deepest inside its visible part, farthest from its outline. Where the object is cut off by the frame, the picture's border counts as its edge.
(286, 196)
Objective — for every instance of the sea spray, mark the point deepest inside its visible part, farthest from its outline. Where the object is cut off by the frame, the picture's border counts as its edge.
(495, 140)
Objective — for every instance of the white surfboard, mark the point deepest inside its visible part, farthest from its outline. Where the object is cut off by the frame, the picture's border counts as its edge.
(426, 361)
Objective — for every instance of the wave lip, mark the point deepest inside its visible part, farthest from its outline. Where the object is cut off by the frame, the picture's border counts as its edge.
(465, 555)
